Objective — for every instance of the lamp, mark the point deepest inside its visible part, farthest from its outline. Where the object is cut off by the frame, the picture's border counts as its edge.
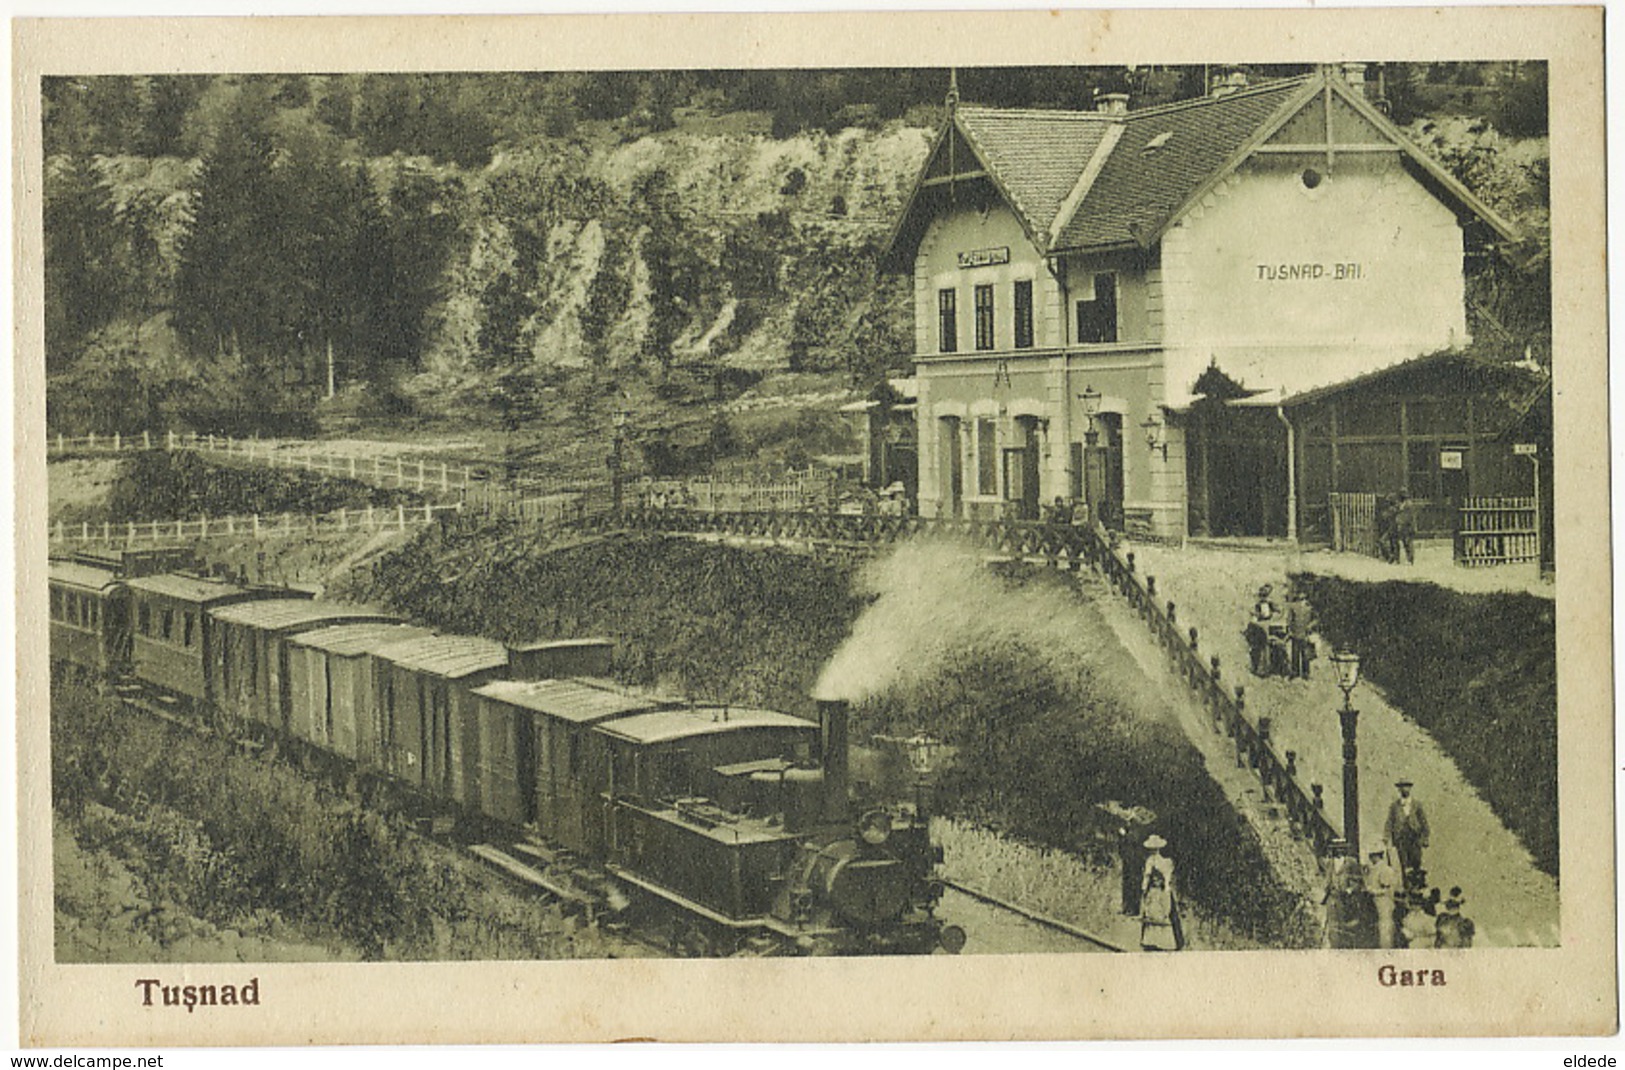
(1154, 437)
(1347, 666)
(1091, 406)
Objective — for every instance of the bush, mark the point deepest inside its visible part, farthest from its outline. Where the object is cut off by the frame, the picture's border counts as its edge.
(160, 485)
(1477, 672)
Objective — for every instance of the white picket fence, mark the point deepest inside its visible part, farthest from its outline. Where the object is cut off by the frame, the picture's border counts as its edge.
(425, 477)
(253, 525)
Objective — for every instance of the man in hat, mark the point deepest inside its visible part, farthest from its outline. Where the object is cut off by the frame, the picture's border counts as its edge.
(1382, 882)
(1451, 928)
(1408, 831)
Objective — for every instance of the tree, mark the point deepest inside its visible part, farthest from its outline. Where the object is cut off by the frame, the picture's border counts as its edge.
(82, 286)
(225, 296)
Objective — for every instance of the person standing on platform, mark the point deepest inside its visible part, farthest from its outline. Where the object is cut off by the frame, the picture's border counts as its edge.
(1382, 882)
(1300, 627)
(1408, 831)
(1265, 617)
(1160, 926)
(1405, 529)
(1451, 928)
(1131, 855)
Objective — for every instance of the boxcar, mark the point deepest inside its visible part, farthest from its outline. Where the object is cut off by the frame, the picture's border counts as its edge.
(426, 688)
(532, 754)
(249, 669)
(665, 829)
(332, 697)
(90, 625)
(171, 635)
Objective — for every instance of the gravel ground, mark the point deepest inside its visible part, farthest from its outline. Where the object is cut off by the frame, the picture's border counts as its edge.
(1513, 903)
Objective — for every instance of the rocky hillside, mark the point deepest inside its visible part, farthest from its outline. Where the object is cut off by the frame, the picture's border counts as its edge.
(523, 249)
(706, 256)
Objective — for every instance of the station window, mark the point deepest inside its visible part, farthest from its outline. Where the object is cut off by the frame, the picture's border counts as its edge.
(189, 623)
(1024, 314)
(169, 624)
(947, 321)
(143, 619)
(56, 605)
(1097, 319)
(987, 458)
(984, 317)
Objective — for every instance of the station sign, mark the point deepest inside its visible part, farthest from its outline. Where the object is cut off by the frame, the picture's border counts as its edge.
(975, 258)
(1525, 449)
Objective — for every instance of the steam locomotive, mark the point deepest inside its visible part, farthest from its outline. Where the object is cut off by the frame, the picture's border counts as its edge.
(736, 822)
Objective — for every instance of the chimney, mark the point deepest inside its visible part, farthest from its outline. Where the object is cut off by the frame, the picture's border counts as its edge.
(1112, 104)
(832, 723)
(1354, 75)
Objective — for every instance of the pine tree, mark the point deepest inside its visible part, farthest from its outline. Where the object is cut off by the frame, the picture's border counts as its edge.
(81, 274)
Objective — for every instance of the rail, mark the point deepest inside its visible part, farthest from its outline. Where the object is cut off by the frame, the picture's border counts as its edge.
(1069, 546)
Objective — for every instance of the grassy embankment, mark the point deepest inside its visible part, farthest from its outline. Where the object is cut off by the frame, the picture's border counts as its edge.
(177, 847)
(1041, 739)
(1478, 672)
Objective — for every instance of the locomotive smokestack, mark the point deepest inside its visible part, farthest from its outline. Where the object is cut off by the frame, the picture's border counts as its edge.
(832, 721)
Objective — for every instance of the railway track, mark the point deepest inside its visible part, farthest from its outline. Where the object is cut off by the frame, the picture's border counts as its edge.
(1015, 929)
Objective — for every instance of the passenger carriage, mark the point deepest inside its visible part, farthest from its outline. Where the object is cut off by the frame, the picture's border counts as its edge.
(172, 637)
(90, 619)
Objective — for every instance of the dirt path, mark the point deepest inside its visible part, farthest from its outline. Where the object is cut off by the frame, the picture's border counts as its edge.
(1513, 903)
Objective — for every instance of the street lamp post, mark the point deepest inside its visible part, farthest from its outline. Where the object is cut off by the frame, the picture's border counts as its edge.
(1347, 666)
(1091, 437)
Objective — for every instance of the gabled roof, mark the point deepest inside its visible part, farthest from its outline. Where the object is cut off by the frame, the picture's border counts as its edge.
(1092, 180)
(1141, 191)
(1034, 157)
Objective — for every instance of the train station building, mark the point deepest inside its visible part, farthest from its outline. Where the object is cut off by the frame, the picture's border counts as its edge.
(1198, 318)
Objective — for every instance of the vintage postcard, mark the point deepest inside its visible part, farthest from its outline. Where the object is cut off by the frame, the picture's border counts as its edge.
(1024, 525)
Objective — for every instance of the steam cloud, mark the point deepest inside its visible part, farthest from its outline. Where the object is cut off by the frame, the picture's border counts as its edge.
(935, 600)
